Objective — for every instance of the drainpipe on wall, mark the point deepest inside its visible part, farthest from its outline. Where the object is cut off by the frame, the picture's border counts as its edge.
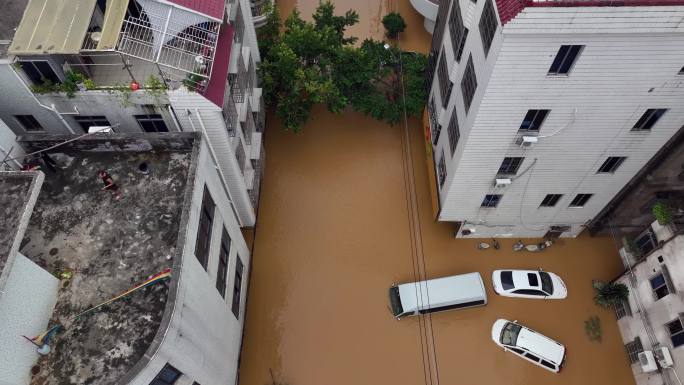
(51, 108)
(213, 156)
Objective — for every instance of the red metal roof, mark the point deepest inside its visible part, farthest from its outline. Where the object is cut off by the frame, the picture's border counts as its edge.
(219, 71)
(211, 8)
(509, 9)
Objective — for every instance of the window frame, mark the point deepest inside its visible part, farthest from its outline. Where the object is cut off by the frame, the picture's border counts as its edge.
(510, 165)
(611, 164)
(435, 127)
(81, 120)
(445, 84)
(237, 287)
(56, 79)
(204, 228)
(488, 26)
(491, 201)
(536, 119)
(469, 84)
(622, 309)
(224, 259)
(560, 64)
(580, 201)
(679, 334)
(20, 119)
(441, 170)
(633, 349)
(454, 132)
(154, 119)
(457, 31)
(159, 380)
(551, 200)
(648, 119)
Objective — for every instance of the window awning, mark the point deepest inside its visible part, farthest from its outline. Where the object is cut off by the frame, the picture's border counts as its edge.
(52, 27)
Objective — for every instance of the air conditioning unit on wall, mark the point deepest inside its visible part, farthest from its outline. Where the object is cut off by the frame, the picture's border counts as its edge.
(664, 357)
(647, 361)
(528, 141)
(502, 182)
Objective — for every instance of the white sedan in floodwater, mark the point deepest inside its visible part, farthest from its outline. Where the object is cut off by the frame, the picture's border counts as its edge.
(529, 284)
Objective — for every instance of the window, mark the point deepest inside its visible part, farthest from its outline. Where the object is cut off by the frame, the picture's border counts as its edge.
(681, 71)
(532, 357)
(91, 121)
(580, 200)
(532, 279)
(507, 280)
(151, 123)
(633, 349)
(435, 127)
(457, 31)
(646, 241)
(441, 170)
(565, 58)
(622, 309)
(530, 292)
(204, 230)
(237, 288)
(611, 164)
(491, 200)
(223, 263)
(445, 84)
(510, 166)
(240, 156)
(440, 24)
(676, 332)
(550, 200)
(28, 123)
(239, 26)
(533, 120)
(453, 132)
(660, 285)
(649, 119)
(488, 24)
(468, 84)
(39, 71)
(167, 376)
(548, 364)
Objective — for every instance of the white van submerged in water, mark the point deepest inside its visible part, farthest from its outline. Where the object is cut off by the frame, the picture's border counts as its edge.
(440, 294)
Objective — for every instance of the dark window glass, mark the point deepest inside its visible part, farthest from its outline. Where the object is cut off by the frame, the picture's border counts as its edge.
(204, 230)
(167, 376)
(457, 30)
(241, 156)
(509, 334)
(548, 364)
(445, 84)
(550, 200)
(510, 165)
(468, 84)
(453, 132)
(239, 27)
(649, 119)
(633, 349)
(676, 332)
(659, 286)
(39, 71)
(646, 241)
(459, 51)
(565, 58)
(237, 288)
(611, 164)
(28, 123)
(91, 121)
(441, 170)
(530, 292)
(519, 351)
(488, 24)
(435, 127)
(223, 264)
(151, 123)
(546, 283)
(532, 357)
(580, 200)
(533, 120)
(622, 309)
(507, 280)
(440, 24)
(532, 279)
(491, 200)
(681, 71)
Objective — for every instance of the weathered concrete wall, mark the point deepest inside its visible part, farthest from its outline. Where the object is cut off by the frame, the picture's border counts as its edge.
(132, 142)
(9, 148)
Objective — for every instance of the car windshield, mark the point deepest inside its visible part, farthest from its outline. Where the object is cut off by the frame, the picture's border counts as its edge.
(395, 301)
(547, 285)
(509, 334)
(507, 280)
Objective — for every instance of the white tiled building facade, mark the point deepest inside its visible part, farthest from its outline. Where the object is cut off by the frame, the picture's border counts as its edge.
(541, 112)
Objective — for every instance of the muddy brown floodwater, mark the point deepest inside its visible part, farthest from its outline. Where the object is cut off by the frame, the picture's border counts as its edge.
(333, 234)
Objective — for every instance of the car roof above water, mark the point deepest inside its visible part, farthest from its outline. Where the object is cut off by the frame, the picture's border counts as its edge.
(543, 346)
(442, 291)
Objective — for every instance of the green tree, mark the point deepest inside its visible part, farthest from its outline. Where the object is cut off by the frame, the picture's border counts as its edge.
(394, 24)
(610, 293)
(268, 34)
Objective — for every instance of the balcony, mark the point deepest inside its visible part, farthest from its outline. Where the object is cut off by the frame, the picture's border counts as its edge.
(259, 8)
(427, 8)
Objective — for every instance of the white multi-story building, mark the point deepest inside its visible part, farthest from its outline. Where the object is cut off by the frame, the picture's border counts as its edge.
(139, 66)
(651, 321)
(539, 112)
(67, 245)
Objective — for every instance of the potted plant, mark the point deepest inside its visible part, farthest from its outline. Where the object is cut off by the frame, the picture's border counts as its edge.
(394, 24)
(662, 212)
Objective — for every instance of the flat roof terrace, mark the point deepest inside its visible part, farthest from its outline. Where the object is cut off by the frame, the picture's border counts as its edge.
(109, 246)
(15, 188)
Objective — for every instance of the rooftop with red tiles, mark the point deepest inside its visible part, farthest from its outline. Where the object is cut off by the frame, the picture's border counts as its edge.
(211, 8)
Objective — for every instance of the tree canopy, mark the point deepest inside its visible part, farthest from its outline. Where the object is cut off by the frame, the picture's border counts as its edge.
(306, 63)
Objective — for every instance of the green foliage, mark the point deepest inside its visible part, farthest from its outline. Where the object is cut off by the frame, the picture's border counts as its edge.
(608, 294)
(662, 212)
(394, 24)
(123, 94)
(155, 88)
(267, 34)
(592, 326)
(314, 62)
(631, 246)
(69, 86)
(89, 84)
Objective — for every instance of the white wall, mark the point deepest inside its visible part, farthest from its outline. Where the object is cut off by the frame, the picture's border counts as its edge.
(615, 79)
(9, 148)
(203, 338)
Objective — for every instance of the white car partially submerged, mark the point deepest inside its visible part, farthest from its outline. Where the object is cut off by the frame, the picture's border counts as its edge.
(529, 344)
(529, 284)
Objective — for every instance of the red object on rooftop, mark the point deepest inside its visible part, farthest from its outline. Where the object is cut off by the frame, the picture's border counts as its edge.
(211, 8)
(135, 86)
(219, 72)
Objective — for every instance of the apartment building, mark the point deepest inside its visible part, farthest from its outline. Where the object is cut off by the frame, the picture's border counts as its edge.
(540, 112)
(68, 245)
(69, 66)
(650, 321)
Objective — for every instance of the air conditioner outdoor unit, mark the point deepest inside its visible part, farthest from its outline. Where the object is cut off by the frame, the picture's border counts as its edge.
(502, 182)
(528, 141)
(647, 361)
(102, 129)
(664, 357)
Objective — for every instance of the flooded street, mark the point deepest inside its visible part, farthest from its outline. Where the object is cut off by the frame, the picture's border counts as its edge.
(334, 232)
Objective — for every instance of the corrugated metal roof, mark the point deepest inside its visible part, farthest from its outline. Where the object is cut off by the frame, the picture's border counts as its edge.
(211, 8)
(53, 26)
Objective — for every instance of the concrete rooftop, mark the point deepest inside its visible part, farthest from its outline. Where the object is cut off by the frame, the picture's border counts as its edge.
(12, 12)
(15, 188)
(110, 246)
